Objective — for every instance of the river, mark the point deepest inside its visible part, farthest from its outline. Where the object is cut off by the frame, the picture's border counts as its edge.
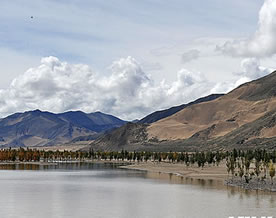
(103, 190)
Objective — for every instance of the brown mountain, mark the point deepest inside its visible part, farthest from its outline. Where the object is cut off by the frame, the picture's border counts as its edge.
(244, 118)
(158, 115)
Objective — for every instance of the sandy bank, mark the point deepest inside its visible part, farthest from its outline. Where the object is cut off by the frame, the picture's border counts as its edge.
(208, 172)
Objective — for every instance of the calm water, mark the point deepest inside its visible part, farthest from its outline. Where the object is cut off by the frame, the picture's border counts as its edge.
(102, 190)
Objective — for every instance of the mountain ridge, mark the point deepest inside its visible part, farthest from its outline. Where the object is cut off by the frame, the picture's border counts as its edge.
(39, 128)
(158, 115)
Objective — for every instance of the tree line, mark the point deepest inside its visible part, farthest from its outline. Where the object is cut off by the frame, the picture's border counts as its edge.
(244, 164)
(33, 155)
(199, 158)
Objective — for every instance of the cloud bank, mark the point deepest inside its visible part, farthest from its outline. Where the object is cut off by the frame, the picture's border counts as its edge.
(251, 70)
(190, 55)
(128, 92)
(263, 42)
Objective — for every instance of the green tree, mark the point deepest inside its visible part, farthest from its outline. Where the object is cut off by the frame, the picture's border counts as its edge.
(228, 166)
(257, 168)
(232, 166)
(271, 171)
(241, 170)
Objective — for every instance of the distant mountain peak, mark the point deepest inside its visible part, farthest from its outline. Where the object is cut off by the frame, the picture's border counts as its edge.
(38, 128)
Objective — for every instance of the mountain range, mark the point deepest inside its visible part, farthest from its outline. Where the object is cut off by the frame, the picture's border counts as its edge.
(41, 128)
(38, 128)
(244, 118)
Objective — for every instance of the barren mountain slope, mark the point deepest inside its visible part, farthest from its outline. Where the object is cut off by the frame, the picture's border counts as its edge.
(221, 116)
(227, 114)
(158, 115)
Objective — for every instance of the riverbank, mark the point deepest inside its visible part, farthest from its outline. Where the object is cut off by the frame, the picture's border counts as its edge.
(32, 163)
(214, 173)
(218, 173)
(178, 169)
(254, 184)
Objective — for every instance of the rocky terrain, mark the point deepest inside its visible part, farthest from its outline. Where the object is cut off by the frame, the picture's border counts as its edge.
(254, 184)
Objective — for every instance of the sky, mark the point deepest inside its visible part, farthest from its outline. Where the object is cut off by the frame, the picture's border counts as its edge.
(129, 58)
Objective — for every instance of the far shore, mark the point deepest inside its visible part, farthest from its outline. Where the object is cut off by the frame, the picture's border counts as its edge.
(218, 173)
(34, 163)
(67, 161)
(208, 173)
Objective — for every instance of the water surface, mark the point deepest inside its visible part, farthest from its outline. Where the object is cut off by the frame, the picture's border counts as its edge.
(103, 190)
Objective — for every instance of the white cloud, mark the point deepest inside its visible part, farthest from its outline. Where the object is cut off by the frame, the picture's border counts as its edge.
(263, 42)
(190, 55)
(128, 92)
(251, 70)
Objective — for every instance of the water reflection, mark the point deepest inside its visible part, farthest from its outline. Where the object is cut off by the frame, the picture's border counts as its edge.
(175, 179)
(60, 166)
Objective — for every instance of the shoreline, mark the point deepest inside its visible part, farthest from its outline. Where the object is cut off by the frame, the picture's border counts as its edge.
(64, 162)
(33, 163)
(217, 173)
(258, 185)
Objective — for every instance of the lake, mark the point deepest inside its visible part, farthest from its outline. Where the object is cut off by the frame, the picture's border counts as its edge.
(103, 190)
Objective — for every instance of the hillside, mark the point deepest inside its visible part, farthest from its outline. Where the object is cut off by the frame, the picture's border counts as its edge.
(133, 134)
(37, 128)
(158, 115)
(242, 118)
(219, 117)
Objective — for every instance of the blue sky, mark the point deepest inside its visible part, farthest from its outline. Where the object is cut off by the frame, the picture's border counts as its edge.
(156, 33)
(98, 32)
